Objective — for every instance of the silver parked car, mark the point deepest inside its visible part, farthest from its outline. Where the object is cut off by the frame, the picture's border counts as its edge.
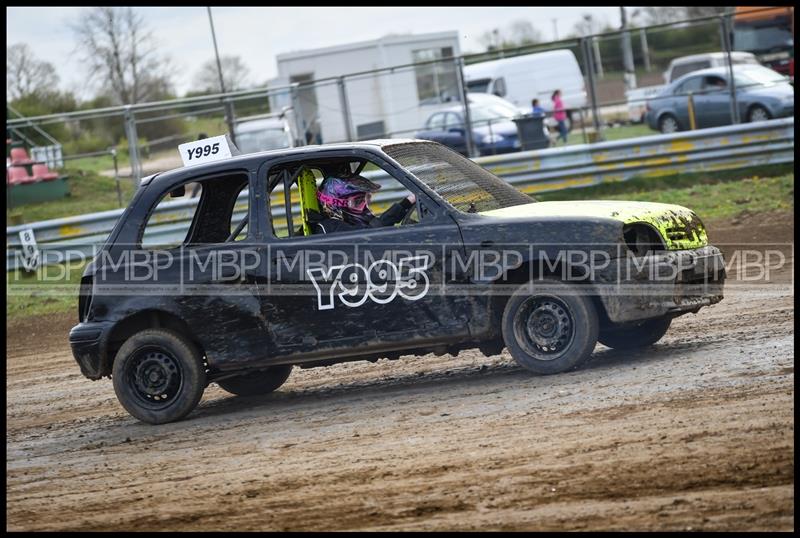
(761, 94)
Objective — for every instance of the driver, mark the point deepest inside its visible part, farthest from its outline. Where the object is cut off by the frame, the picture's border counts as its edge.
(345, 206)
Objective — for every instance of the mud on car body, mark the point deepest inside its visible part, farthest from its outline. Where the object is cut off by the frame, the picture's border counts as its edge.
(246, 295)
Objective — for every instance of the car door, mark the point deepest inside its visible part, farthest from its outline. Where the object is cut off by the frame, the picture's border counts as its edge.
(713, 103)
(693, 86)
(364, 291)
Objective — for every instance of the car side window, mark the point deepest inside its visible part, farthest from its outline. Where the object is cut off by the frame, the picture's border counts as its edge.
(692, 85)
(500, 87)
(436, 122)
(307, 215)
(454, 121)
(202, 212)
(688, 67)
(713, 83)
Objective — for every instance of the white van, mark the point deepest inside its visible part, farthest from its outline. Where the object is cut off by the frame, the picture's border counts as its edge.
(687, 64)
(534, 76)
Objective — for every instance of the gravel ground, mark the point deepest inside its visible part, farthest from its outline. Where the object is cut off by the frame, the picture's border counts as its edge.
(696, 432)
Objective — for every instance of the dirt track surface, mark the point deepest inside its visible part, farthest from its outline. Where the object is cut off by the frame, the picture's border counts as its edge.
(696, 432)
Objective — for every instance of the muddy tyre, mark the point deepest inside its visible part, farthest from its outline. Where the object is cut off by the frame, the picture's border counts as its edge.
(549, 328)
(158, 376)
(256, 383)
(646, 334)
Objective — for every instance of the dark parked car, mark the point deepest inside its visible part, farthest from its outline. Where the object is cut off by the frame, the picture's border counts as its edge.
(493, 130)
(241, 292)
(761, 94)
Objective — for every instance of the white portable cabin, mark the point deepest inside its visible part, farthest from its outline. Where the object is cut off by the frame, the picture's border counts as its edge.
(520, 79)
(380, 104)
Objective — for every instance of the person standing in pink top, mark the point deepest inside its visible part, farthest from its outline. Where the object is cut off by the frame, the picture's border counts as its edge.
(560, 115)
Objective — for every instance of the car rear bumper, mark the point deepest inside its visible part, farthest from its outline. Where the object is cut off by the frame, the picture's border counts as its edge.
(667, 283)
(88, 341)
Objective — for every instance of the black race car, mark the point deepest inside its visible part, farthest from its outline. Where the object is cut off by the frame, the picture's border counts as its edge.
(233, 286)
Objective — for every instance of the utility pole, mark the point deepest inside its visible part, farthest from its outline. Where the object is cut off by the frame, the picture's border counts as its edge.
(598, 60)
(627, 53)
(229, 119)
(645, 49)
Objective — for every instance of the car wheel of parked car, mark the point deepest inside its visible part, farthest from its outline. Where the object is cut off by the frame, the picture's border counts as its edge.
(549, 328)
(757, 113)
(647, 333)
(158, 376)
(256, 383)
(668, 124)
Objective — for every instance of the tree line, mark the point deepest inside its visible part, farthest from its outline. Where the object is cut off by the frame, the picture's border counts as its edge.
(124, 66)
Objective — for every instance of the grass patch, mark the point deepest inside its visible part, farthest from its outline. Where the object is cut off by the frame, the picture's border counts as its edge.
(710, 195)
(97, 164)
(620, 132)
(49, 290)
(89, 192)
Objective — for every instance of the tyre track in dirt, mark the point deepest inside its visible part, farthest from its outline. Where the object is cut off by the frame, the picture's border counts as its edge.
(695, 432)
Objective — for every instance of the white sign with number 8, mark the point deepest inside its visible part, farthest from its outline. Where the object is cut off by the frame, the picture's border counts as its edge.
(30, 254)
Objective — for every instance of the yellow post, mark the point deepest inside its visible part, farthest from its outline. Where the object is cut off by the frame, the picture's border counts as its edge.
(692, 121)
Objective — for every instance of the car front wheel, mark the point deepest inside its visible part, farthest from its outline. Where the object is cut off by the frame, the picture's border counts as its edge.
(158, 376)
(549, 328)
(646, 334)
(758, 113)
(256, 383)
(668, 124)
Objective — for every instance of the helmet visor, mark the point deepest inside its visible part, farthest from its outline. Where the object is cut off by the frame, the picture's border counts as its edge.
(358, 202)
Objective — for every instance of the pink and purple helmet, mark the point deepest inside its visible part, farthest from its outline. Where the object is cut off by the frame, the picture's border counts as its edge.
(349, 195)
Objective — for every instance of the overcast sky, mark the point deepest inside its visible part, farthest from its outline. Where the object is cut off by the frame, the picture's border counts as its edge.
(259, 34)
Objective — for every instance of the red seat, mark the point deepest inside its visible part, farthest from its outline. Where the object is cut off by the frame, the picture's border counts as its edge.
(18, 175)
(20, 156)
(42, 172)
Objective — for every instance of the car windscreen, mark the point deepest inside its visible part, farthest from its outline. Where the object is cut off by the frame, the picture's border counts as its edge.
(480, 85)
(491, 112)
(253, 141)
(457, 180)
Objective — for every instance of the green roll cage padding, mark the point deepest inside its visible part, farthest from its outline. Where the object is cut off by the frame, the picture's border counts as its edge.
(308, 198)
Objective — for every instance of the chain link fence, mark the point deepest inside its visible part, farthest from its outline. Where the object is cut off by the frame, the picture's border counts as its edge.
(621, 83)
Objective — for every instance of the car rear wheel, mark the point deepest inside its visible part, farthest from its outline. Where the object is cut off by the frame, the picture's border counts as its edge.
(668, 124)
(646, 334)
(757, 113)
(549, 328)
(256, 383)
(158, 376)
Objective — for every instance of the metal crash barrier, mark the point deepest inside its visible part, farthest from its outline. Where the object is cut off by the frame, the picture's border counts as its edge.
(720, 148)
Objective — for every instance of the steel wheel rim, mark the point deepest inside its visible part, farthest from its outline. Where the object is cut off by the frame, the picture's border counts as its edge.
(155, 377)
(758, 114)
(669, 125)
(544, 327)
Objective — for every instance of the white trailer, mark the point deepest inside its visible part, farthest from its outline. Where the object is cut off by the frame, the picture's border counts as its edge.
(384, 104)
